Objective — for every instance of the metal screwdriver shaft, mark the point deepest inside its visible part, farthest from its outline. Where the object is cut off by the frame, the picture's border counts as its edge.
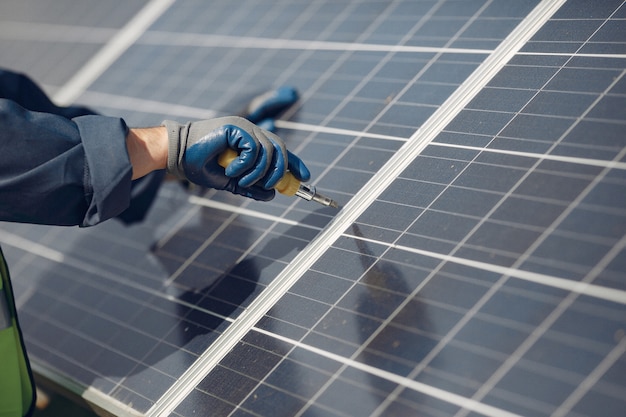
(308, 193)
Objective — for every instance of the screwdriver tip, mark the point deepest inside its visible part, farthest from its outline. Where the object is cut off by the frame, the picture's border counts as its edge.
(325, 201)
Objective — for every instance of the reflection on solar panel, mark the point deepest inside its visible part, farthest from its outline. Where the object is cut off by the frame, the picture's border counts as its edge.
(477, 267)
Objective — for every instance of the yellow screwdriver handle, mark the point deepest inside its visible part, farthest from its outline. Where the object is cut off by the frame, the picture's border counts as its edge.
(288, 184)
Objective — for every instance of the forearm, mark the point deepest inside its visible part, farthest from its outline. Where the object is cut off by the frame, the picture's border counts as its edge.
(147, 150)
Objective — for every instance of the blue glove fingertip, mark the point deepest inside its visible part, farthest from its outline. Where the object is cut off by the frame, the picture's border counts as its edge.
(271, 104)
(298, 168)
(267, 124)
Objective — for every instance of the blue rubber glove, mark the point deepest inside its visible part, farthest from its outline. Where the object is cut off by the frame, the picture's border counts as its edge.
(271, 104)
(263, 159)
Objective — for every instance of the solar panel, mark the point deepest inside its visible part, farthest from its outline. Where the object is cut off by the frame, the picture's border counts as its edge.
(477, 267)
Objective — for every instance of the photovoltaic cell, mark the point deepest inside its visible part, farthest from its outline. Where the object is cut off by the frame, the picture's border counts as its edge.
(486, 278)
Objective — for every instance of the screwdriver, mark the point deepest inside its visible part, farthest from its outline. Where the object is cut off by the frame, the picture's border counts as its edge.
(288, 184)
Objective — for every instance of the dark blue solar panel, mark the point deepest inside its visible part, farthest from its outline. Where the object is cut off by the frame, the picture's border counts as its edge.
(454, 292)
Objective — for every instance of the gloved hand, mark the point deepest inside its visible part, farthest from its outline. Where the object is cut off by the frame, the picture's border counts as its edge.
(269, 105)
(263, 159)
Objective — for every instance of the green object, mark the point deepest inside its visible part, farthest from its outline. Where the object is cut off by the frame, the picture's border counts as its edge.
(17, 392)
